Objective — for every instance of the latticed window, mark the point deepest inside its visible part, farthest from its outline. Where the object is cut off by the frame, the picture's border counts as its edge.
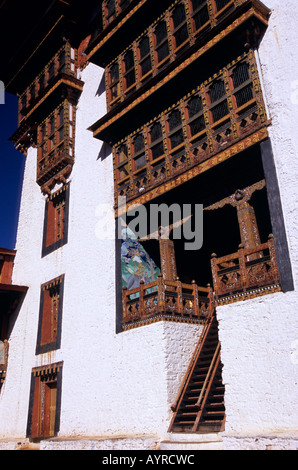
(129, 72)
(179, 25)
(221, 3)
(157, 149)
(194, 106)
(145, 57)
(110, 5)
(174, 119)
(162, 46)
(139, 152)
(174, 122)
(216, 91)
(114, 81)
(200, 14)
(240, 76)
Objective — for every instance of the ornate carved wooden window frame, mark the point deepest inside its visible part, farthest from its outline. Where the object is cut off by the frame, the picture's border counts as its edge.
(217, 133)
(56, 143)
(50, 316)
(210, 16)
(45, 402)
(55, 231)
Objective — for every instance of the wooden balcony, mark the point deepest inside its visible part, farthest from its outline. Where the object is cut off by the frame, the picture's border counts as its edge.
(57, 164)
(217, 114)
(174, 33)
(252, 271)
(56, 82)
(63, 62)
(168, 300)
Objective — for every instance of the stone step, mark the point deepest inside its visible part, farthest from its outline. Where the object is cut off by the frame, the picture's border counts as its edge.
(181, 441)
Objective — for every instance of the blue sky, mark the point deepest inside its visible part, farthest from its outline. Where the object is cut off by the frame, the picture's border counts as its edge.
(11, 173)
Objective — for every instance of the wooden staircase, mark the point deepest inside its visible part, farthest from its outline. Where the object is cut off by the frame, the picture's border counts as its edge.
(199, 407)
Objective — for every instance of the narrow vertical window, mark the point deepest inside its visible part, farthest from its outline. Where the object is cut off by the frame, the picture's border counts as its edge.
(45, 402)
(50, 316)
(55, 232)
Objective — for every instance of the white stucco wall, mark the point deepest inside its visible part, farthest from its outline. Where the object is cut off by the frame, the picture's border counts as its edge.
(113, 384)
(260, 337)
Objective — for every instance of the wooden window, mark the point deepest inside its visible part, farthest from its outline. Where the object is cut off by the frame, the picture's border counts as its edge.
(200, 14)
(45, 402)
(161, 41)
(145, 56)
(114, 84)
(50, 316)
(156, 139)
(175, 125)
(139, 152)
(221, 3)
(179, 26)
(55, 232)
(129, 70)
(216, 94)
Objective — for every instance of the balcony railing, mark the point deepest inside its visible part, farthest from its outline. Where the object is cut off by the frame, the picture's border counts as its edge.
(219, 112)
(179, 27)
(56, 141)
(161, 298)
(245, 270)
(63, 62)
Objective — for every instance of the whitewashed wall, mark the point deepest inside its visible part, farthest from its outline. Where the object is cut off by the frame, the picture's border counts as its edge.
(260, 337)
(113, 385)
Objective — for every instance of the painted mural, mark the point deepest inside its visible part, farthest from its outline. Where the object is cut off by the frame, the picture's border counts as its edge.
(136, 264)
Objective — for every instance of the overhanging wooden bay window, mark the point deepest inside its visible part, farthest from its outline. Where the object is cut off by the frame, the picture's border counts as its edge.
(164, 41)
(55, 139)
(217, 113)
(55, 233)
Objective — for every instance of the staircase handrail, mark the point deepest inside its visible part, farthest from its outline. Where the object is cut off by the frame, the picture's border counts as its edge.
(192, 363)
(210, 371)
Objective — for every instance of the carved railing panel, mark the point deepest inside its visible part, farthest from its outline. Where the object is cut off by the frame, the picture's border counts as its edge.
(63, 62)
(245, 270)
(171, 298)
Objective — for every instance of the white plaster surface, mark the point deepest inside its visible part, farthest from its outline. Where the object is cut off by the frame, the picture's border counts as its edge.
(113, 385)
(123, 385)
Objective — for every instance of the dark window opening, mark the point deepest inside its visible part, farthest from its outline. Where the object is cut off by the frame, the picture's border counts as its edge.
(219, 111)
(194, 106)
(174, 119)
(197, 125)
(139, 143)
(244, 95)
(216, 91)
(176, 139)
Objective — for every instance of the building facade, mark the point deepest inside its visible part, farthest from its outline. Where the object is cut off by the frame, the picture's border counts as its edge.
(122, 335)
